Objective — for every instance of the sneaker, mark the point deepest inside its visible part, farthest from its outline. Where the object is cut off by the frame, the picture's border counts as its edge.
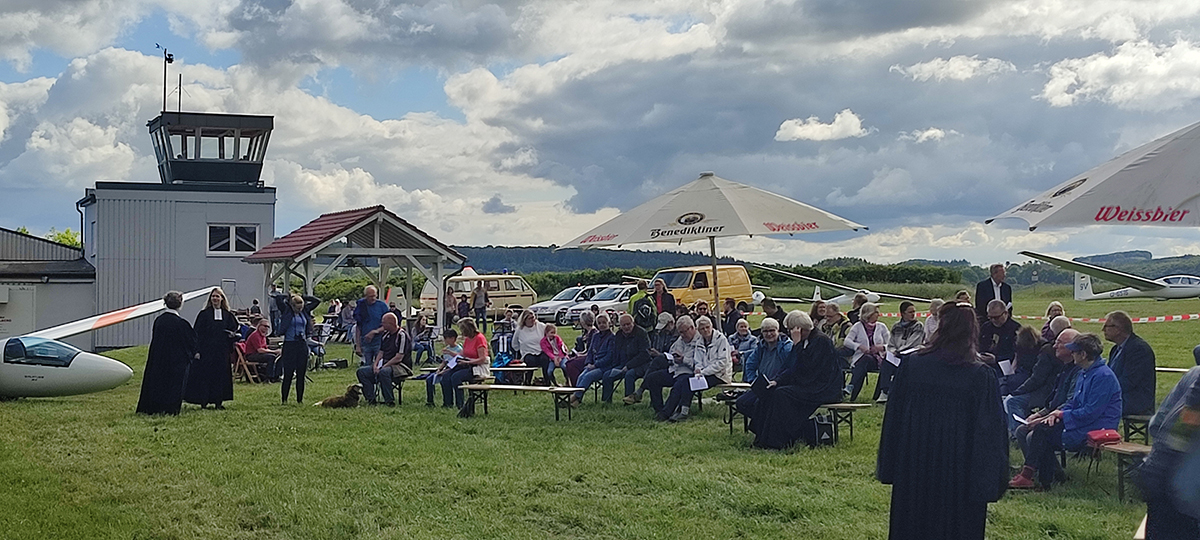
(632, 399)
(882, 398)
(678, 417)
(847, 392)
(575, 401)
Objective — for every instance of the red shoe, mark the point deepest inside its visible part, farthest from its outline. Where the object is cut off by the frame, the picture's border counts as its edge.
(1023, 479)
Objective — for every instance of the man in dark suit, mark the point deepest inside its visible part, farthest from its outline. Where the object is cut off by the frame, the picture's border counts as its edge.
(992, 288)
(1132, 360)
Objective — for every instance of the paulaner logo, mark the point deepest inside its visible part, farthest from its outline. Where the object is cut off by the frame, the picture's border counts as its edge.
(1140, 215)
(597, 238)
(790, 227)
(698, 229)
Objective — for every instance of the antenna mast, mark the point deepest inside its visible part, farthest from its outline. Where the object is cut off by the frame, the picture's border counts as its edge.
(167, 59)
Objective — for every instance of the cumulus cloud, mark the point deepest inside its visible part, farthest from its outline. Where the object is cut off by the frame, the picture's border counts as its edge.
(496, 206)
(845, 124)
(1138, 75)
(955, 68)
(63, 26)
(925, 135)
(887, 186)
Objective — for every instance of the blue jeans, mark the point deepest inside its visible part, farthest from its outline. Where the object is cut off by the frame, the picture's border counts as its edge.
(452, 395)
(368, 379)
(606, 376)
(481, 318)
(369, 352)
(419, 347)
(1018, 405)
(631, 377)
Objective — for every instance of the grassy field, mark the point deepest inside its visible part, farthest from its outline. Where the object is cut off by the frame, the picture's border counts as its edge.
(87, 467)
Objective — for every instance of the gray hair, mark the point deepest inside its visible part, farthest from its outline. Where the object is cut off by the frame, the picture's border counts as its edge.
(798, 319)
(1059, 323)
(586, 318)
(684, 322)
(769, 323)
(1090, 343)
(702, 320)
(173, 299)
(935, 305)
(1121, 320)
(997, 304)
(867, 310)
(370, 288)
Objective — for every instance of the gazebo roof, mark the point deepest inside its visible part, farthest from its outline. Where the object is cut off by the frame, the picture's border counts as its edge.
(394, 233)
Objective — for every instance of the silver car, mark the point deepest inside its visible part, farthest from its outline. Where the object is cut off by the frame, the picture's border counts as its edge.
(555, 309)
(613, 300)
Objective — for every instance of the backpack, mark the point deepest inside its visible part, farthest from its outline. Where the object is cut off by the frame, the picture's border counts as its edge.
(644, 313)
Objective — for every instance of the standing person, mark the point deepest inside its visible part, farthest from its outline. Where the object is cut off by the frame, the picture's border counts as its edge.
(868, 339)
(642, 292)
(450, 306)
(856, 305)
(730, 315)
(209, 380)
(479, 305)
(1132, 360)
(393, 360)
(273, 305)
(992, 288)
(664, 301)
(368, 316)
(172, 349)
(943, 446)
(347, 319)
(809, 377)
(1173, 430)
(772, 310)
(463, 307)
(296, 322)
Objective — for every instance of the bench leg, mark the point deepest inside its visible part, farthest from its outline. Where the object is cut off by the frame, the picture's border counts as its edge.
(562, 401)
(730, 414)
(480, 396)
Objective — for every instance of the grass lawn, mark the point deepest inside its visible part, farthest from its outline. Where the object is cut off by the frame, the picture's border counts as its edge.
(87, 467)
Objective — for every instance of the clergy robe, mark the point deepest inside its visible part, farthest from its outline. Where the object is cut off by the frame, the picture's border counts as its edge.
(172, 348)
(210, 380)
(943, 448)
(813, 377)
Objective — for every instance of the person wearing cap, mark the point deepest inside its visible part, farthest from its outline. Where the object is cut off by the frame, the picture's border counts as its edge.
(1095, 405)
(661, 338)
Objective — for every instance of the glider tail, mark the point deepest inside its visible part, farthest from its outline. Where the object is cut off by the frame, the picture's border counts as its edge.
(1083, 287)
(816, 294)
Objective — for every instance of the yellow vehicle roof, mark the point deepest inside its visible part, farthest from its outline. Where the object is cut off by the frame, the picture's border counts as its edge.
(705, 267)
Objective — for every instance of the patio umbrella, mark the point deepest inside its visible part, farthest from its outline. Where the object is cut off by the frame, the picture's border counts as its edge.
(1157, 183)
(708, 208)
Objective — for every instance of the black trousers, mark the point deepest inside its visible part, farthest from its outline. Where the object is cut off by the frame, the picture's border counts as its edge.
(295, 362)
(539, 360)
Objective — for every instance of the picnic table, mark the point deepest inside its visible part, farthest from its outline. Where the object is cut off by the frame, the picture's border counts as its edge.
(561, 394)
(1128, 456)
(842, 413)
(1171, 370)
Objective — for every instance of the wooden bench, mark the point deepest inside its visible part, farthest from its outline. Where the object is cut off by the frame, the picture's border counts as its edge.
(1136, 426)
(843, 413)
(1171, 370)
(561, 394)
(1128, 456)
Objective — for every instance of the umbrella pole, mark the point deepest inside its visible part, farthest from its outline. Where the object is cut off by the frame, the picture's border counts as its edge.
(716, 310)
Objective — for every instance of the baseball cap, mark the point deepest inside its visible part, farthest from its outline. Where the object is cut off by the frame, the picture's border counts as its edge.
(663, 320)
(1073, 347)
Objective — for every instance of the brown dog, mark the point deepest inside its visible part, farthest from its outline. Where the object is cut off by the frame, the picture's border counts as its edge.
(350, 399)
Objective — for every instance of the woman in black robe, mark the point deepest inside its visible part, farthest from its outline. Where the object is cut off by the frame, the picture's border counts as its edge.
(944, 447)
(210, 380)
(813, 378)
(172, 349)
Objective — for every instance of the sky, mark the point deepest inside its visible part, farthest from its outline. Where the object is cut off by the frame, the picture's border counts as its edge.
(530, 122)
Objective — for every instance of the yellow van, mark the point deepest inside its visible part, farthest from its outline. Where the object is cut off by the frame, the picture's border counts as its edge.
(505, 291)
(692, 283)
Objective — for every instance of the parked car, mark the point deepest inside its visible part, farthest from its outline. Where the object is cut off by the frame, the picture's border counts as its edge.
(692, 283)
(555, 309)
(613, 300)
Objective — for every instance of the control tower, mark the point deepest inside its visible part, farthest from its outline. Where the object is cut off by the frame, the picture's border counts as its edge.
(210, 148)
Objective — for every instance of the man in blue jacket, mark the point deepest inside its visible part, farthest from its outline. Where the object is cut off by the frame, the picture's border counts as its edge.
(601, 358)
(1095, 405)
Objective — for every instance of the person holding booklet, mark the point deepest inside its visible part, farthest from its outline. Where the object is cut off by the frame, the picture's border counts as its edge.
(906, 337)
(451, 353)
(712, 365)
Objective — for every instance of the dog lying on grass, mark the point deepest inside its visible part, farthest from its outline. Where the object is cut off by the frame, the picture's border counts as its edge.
(350, 399)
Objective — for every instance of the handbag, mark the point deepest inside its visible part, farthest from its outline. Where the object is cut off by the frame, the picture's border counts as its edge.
(1101, 437)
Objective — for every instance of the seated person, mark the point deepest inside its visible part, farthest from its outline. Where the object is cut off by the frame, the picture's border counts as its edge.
(931, 322)
(422, 339)
(1132, 359)
(471, 366)
(257, 351)
(769, 353)
(836, 326)
(508, 324)
(711, 359)
(632, 349)
(1063, 387)
(1095, 405)
(700, 309)
(600, 359)
(394, 360)
(682, 310)
(661, 339)
(579, 355)
(555, 351)
(1027, 347)
(679, 364)
(907, 334)
(782, 405)
(868, 339)
(451, 352)
(998, 336)
(742, 342)
(1035, 392)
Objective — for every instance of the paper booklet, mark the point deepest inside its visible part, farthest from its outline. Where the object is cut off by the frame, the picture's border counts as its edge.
(698, 383)
(893, 359)
(1006, 366)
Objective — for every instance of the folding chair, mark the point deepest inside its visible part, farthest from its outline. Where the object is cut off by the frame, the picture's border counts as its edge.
(242, 368)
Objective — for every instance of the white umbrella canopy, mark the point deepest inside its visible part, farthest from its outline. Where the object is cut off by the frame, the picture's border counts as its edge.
(1157, 183)
(708, 208)
(711, 207)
